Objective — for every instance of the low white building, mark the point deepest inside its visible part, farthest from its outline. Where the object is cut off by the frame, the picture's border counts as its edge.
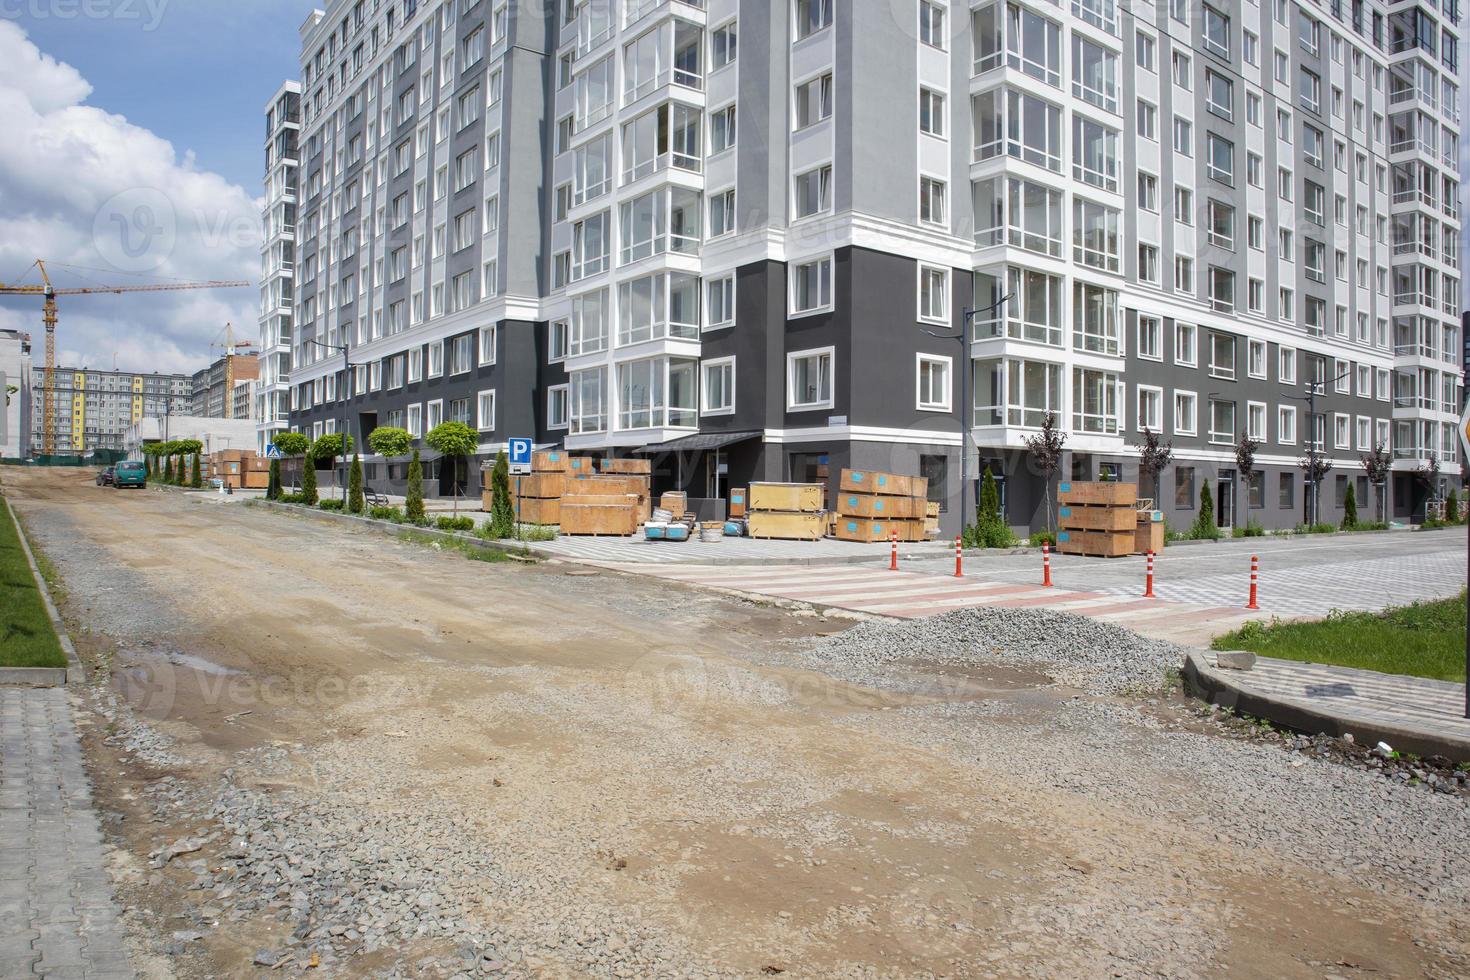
(15, 410)
(216, 434)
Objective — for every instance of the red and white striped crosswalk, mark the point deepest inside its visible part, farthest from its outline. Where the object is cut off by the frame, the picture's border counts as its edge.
(879, 591)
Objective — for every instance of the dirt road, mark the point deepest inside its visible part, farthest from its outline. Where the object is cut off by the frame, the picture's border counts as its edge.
(397, 760)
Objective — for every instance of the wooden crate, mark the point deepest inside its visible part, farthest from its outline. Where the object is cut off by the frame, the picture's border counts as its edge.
(676, 502)
(550, 461)
(627, 466)
(543, 486)
(1079, 492)
(618, 484)
(880, 507)
(738, 497)
(1105, 544)
(620, 519)
(1148, 537)
(581, 467)
(1096, 517)
(787, 497)
(893, 484)
(860, 529)
(786, 525)
(533, 510)
(931, 509)
(931, 527)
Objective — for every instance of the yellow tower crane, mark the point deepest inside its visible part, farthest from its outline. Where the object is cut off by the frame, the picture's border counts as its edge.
(48, 318)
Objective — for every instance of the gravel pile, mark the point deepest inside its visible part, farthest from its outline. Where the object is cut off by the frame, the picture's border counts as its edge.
(1077, 651)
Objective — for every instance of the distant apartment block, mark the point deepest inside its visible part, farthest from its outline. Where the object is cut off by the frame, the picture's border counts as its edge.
(93, 409)
(271, 390)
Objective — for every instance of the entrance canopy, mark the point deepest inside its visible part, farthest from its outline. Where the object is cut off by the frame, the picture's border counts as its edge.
(698, 441)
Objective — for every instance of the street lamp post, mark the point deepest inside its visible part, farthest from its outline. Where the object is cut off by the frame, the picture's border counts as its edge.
(966, 410)
(342, 397)
(1314, 498)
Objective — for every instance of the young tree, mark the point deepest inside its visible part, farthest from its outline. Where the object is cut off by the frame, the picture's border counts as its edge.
(329, 447)
(1377, 465)
(1245, 464)
(1350, 508)
(196, 478)
(1315, 468)
(1204, 521)
(1428, 477)
(413, 506)
(1045, 449)
(294, 444)
(388, 440)
(454, 441)
(168, 468)
(1153, 459)
(1452, 508)
(308, 481)
(502, 513)
(356, 504)
(273, 482)
(189, 447)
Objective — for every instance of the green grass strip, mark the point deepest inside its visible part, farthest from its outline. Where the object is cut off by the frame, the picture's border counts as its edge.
(1423, 639)
(26, 636)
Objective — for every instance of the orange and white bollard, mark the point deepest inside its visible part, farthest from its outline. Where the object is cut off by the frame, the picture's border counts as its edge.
(1255, 569)
(959, 558)
(1148, 582)
(1045, 564)
(893, 558)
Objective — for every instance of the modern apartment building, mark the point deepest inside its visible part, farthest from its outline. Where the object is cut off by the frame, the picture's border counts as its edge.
(214, 390)
(278, 263)
(92, 410)
(15, 386)
(767, 239)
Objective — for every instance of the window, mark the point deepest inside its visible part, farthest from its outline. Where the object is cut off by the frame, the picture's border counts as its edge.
(812, 16)
(1256, 358)
(1150, 343)
(811, 286)
(933, 383)
(1220, 159)
(1255, 420)
(1184, 205)
(1183, 274)
(1184, 413)
(486, 411)
(1286, 493)
(813, 101)
(462, 354)
(931, 200)
(415, 365)
(1222, 422)
(1148, 191)
(931, 112)
(1342, 436)
(931, 24)
(1144, 51)
(1219, 95)
(814, 191)
(1184, 344)
(1147, 121)
(433, 414)
(1095, 74)
(1184, 487)
(488, 345)
(720, 301)
(1182, 70)
(1222, 356)
(722, 214)
(1148, 263)
(1217, 33)
(416, 421)
(933, 294)
(1183, 137)
(1286, 365)
(436, 358)
(556, 406)
(722, 129)
(717, 387)
(809, 379)
(723, 47)
(1221, 224)
(1150, 409)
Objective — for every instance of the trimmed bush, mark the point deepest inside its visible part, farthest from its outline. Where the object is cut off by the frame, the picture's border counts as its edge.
(502, 515)
(413, 506)
(355, 499)
(334, 504)
(386, 514)
(1203, 528)
(1350, 508)
(1451, 507)
(455, 523)
(308, 482)
(196, 479)
(273, 482)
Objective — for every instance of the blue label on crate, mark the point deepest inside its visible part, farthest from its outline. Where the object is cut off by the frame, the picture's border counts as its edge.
(877, 505)
(852, 527)
(1064, 488)
(1065, 512)
(554, 457)
(852, 501)
(1063, 536)
(857, 478)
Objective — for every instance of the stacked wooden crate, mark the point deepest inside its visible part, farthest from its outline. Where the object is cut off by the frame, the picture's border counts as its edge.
(1097, 518)
(874, 506)
(614, 501)
(535, 497)
(1148, 534)
(791, 511)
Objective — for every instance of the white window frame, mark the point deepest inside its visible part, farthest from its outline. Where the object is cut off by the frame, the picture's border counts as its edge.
(943, 315)
(920, 359)
(480, 410)
(791, 358)
(1138, 420)
(1252, 346)
(429, 412)
(492, 334)
(792, 311)
(551, 393)
(1286, 365)
(1258, 436)
(1193, 428)
(716, 362)
(1284, 412)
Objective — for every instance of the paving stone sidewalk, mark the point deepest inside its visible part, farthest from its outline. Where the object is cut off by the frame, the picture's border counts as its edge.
(57, 915)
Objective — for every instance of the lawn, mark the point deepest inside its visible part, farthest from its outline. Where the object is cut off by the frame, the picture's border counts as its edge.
(26, 636)
(1425, 639)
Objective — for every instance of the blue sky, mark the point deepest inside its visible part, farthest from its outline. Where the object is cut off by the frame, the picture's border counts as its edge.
(196, 72)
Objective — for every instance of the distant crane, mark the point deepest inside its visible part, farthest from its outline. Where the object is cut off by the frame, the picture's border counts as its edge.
(48, 317)
(230, 346)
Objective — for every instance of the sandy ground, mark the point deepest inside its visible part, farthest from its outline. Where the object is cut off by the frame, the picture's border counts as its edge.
(608, 776)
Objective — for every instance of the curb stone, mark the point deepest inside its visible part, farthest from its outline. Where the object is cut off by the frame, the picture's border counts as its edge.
(73, 672)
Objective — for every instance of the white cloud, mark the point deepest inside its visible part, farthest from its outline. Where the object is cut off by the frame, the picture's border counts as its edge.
(85, 188)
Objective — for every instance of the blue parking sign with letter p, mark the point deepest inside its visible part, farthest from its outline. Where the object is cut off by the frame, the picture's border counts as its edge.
(519, 452)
